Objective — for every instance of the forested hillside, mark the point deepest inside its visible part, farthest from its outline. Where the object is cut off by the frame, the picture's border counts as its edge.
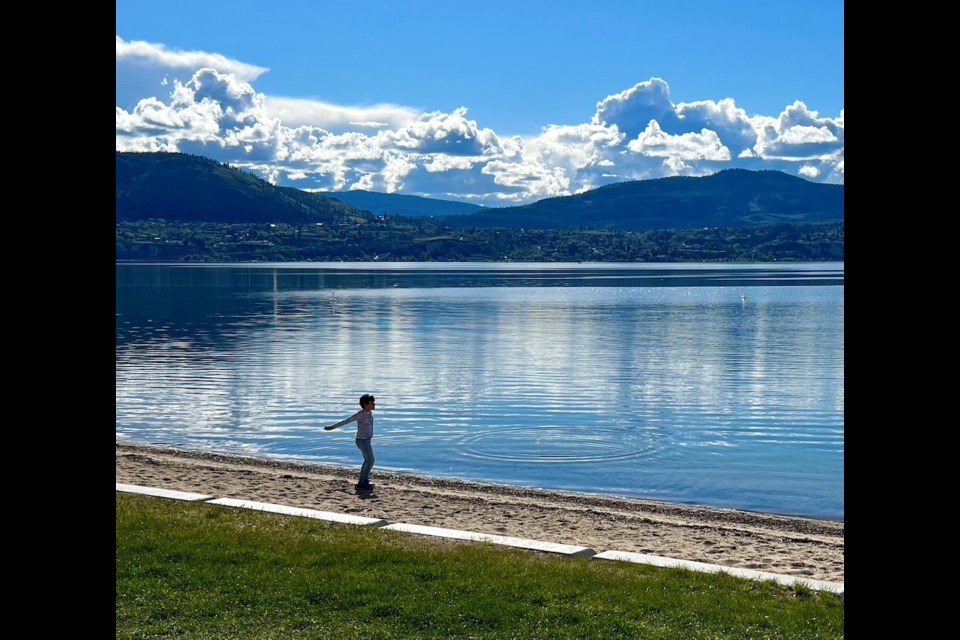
(173, 206)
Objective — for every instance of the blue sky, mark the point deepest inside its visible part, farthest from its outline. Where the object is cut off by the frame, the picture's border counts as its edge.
(495, 102)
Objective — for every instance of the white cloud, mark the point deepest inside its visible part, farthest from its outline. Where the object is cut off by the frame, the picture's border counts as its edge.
(675, 167)
(206, 104)
(533, 181)
(447, 133)
(798, 133)
(395, 169)
(295, 112)
(700, 137)
(442, 162)
(144, 68)
(365, 183)
(834, 169)
(631, 110)
(574, 147)
(161, 56)
(802, 134)
(654, 142)
(730, 122)
(562, 160)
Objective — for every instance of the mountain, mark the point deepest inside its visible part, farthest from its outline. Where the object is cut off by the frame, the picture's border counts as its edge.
(393, 204)
(183, 187)
(729, 198)
(188, 188)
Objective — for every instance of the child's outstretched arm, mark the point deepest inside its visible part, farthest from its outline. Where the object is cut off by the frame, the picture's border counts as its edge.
(343, 422)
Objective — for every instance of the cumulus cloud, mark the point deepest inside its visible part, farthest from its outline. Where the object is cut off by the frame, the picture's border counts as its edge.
(798, 134)
(447, 133)
(562, 160)
(145, 69)
(206, 104)
(632, 109)
(723, 117)
(441, 162)
(654, 142)
(212, 114)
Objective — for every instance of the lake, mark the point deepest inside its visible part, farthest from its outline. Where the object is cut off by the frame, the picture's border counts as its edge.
(716, 385)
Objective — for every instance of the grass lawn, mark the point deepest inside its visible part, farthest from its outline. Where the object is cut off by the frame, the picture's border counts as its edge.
(194, 570)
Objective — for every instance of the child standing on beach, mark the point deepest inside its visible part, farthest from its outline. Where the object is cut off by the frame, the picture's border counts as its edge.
(364, 420)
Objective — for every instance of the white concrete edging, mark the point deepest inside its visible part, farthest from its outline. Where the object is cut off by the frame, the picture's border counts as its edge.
(163, 493)
(299, 511)
(751, 574)
(456, 534)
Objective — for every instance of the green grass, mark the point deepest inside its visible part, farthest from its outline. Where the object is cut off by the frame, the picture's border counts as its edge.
(194, 570)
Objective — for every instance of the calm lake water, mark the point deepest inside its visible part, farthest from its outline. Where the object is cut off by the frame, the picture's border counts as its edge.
(718, 385)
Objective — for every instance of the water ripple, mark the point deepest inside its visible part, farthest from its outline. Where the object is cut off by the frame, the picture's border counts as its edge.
(558, 445)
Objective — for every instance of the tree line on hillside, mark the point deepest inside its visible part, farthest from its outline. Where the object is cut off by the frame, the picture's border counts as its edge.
(383, 239)
(187, 188)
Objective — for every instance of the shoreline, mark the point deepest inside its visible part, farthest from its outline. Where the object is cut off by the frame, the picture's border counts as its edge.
(792, 545)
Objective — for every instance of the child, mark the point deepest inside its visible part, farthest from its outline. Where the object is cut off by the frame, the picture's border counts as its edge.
(364, 419)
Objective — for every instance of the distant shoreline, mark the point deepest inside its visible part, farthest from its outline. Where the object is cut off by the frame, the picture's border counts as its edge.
(519, 262)
(426, 241)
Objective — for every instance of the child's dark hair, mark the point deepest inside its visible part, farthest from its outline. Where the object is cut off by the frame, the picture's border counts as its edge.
(366, 399)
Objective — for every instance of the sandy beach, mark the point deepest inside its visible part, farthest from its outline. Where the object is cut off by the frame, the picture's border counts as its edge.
(801, 547)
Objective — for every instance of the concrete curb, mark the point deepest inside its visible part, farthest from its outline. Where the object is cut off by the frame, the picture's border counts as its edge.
(523, 543)
(750, 574)
(299, 511)
(163, 493)
(456, 534)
